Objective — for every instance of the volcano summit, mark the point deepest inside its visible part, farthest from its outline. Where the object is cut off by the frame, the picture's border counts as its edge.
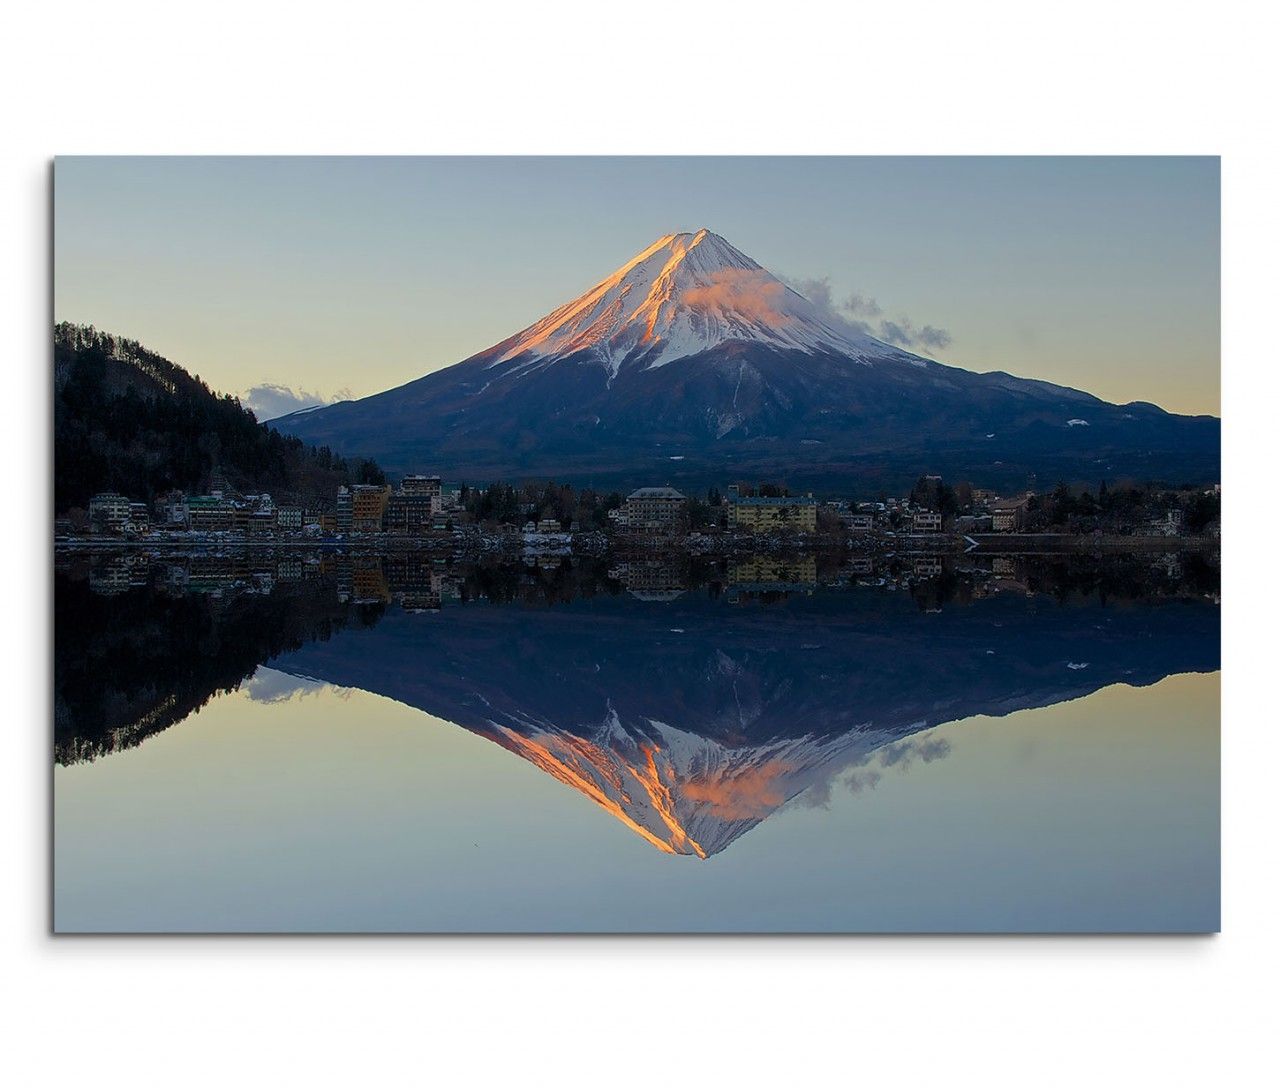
(693, 363)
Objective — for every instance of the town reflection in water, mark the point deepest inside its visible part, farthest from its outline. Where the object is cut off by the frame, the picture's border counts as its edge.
(689, 698)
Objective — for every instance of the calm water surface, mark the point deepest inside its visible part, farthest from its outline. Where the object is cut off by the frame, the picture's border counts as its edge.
(371, 744)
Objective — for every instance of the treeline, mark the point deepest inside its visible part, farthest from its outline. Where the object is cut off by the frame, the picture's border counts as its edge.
(1113, 507)
(129, 666)
(129, 420)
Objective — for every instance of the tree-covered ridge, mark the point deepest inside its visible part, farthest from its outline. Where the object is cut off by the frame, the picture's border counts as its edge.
(127, 667)
(129, 420)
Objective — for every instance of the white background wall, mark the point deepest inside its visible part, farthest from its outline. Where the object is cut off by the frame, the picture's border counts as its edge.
(1142, 77)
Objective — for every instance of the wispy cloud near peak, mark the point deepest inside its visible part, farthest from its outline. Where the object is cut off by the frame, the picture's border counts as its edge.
(270, 400)
(866, 315)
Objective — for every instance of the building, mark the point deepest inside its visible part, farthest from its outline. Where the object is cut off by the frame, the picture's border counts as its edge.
(426, 486)
(651, 580)
(415, 506)
(927, 522)
(289, 519)
(770, 576)
(171, 510)
(655, 510)
(209, 514)
(368, 504)
(409, 513)
(139, 518)
(549, 525)
(360, 508)
(764, 572)
(759, 514)
(1170, 524)
(368, 583)
(859, 523)
(1008, 517)
(262, 522)
(109, 512)
(342, 520)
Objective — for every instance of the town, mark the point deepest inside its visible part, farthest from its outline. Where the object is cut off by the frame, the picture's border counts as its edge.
(425, 511)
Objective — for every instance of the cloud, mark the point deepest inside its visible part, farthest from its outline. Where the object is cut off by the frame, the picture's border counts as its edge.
(858, 776)
(904, 753)
(749, 795)
(905, 333)
(816, 291)
(857, 305)
(816, 796)
(269, 686)
(270, 401)
(857, 781)
(750, 292)
(864, 314)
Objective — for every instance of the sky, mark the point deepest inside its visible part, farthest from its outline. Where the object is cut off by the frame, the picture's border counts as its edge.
(293, 281)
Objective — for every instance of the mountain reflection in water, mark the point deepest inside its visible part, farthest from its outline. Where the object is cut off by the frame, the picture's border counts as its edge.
(689, 701)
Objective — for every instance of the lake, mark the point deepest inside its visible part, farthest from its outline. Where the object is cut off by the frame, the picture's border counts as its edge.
(398, 743)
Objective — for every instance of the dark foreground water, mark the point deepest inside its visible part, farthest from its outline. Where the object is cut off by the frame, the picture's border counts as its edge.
(388, 743)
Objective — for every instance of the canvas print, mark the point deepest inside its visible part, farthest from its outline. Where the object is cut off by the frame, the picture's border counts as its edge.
(635, 545)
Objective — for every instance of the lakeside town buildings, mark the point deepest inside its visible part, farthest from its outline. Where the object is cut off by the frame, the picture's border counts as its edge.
(926, 521)
(420, 506)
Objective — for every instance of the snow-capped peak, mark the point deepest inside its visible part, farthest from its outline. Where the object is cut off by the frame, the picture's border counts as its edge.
(683, 793)
(684, 294)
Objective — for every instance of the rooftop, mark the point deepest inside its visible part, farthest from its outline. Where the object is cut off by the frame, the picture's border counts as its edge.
(655, 493)
(764, 500)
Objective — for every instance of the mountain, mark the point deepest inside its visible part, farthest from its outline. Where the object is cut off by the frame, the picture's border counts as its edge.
(688, 720)
(129, 420)
(691, 364)
(691, 721)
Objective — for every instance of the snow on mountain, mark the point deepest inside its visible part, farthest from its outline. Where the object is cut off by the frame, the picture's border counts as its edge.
(694, 357)
(680, 792)
(683, 295)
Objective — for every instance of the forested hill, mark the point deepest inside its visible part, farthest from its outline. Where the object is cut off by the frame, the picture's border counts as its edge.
(129, 420)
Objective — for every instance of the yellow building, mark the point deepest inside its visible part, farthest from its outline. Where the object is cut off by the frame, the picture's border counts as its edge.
(775, 571)
(759, 514)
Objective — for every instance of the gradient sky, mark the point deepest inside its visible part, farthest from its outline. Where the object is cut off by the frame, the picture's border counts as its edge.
(348, 276)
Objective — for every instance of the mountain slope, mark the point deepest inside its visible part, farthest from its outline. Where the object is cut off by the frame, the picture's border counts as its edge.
(691, 361)
(692, 721)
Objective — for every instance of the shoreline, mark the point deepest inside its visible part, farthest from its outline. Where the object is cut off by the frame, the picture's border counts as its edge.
(596, 544)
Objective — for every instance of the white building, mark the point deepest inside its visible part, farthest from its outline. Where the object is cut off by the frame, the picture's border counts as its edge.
(109, 510)
(655, 509)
